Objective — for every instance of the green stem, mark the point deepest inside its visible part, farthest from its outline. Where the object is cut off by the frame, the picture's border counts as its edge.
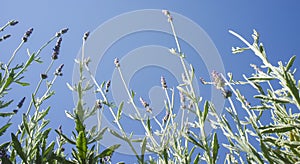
(14, 53)
(136, 108)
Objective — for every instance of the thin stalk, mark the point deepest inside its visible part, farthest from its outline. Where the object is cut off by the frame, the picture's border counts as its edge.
(14, 53)
(38, 87)
(5, 26)
(112, 113)
(136, 109)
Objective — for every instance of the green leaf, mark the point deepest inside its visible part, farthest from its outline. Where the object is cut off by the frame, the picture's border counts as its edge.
(144, 143)
(165, 155)
(29, 61)
(8, 81)
(70, 87)
(276, 128)
(148, 125)
(196, 160)
(120, 110)
(4, 145)
(193, 141)
(66, 138)
(276, 100)
(22, 83)
(205, 111)
(4, 128)
(116, 134)
(109, 151)
(236, 50)
(81, 145)
(79, 125)
(6, 114)
(17, 146)
(261, 79)
(34, 101)
(5, 104)
(49, 149)
(68, 114)
(100, 134)
(42, 114)
(215, 147)
(25, 123)
(132, 94)
(290, 63)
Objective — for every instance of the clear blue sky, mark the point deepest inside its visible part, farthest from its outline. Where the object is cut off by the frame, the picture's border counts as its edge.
(277, 22)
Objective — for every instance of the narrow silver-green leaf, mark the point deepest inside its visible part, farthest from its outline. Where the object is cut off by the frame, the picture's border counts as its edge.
(81, 145)
(290, 63)
(205, 111)
(120, 110)
(116, 134)
(109, 151)
(276, 128)
(4, 128)
(144, 143)
(17, 146)
(215, 148)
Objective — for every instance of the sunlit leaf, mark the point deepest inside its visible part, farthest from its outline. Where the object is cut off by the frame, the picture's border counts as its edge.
(205, 111)
(290, 63)
(215, 147)
(6, 114)
(143, 149)
(81, 145)
(120, 110)
(17, 146)
(276, 128)
(3, 105)
(4, 128)
(109, 151)
(22, 83)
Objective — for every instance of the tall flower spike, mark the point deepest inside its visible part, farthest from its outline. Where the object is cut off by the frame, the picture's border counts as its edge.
(56, 49)
(58, 71)
(98, 104)
(4, 37)
(27, 34)
(107, 86)
(145, 104)
(163, 82)
(116, 61)
(167, 13)
(20, 104)
(218, 80)
(86, 35)
(13, 22)
(62, 31)
(166, 117)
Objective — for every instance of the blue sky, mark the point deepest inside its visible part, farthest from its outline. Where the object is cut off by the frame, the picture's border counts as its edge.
(277, 22)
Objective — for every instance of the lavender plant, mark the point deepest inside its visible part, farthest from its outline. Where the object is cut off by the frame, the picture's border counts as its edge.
(249, 139)
(83, 137)
(30, 143)
(278, 140)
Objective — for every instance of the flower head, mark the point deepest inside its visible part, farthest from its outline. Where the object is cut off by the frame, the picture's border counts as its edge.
(58, 71)
(145, 104)
(116, 61)
(218, 80)
(27, 34)
(86, 35)
(62, 31)
(56, 49)
(163, 82)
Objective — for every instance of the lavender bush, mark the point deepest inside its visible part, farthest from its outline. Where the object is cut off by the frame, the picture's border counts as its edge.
(249, 139)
